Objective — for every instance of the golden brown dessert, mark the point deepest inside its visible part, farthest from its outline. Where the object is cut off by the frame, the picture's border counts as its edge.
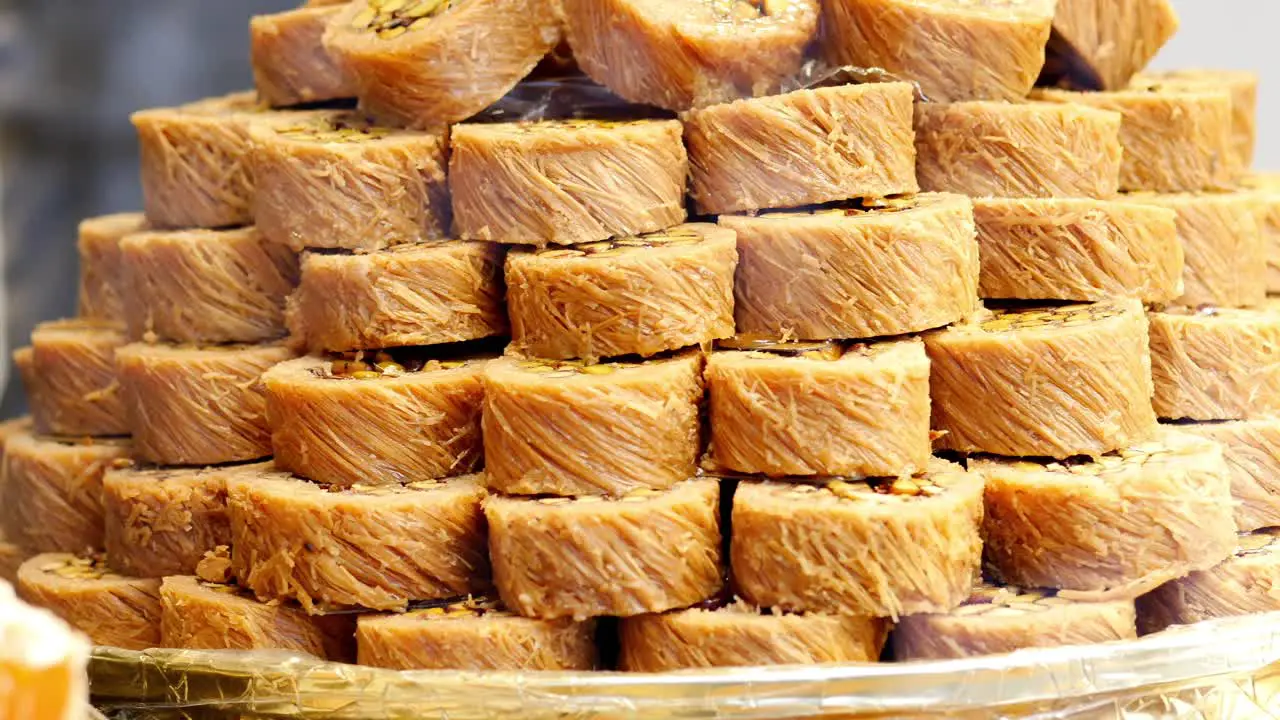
(101, 282)
(418, 294)
(1045, 382)
(856, 270)
(565, 428)
(1077, 249)
(801, 148)
(629, 296)
(290, 63)
(808, 408)
(884, 548)
(1000, 619)
(382, 418)
(1252, 451)
(679, 54)
(1244, 584)
(739, 635)
(1114, 527)
(206, 286)
(1027, 149)
(376, 547)
(1216, 363)
(953, 49)
(42, 664)
(11, 558)
(1101, 44)
(566, 181)
(646, 552)
(111, 609)
(201, 615)
(70, 377)
(1243, 86)
(1266, 187)
(337, 180)
(193, 405)
(430, 63)
(474, 634)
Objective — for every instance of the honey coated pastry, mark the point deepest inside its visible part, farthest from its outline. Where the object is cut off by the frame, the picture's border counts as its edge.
(431, 63)
(882, 548)
(690, 53)
(1216, 363)
(566, 181)
(856, 270)
(161, 521)
(1266, 186)
(647, 552)
(953, 49)
(376, 547)
(1246, 583)
(70, 378)
(111, 609)
(1026, 149)
(802, 148)
(197, 405)
(195, 169)
(338, 180)
(739, 635)
(1044, 382)
(638, 295)
(42, 663)
(1078, 249)
(1243, 86)
(815, 408)
(51, 500)
(1101, 44)
(1176, 137)
(206, 286)
(11, 558)
(1113, 527)
(419, 294)
(1252, 451)
(290, 63)
(474, 634)
(201, 615)
(101, 280)
(567, 428)
(1000, 619)
(379, 418)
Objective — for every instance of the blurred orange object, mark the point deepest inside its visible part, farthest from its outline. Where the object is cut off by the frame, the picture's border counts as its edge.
(42, 664)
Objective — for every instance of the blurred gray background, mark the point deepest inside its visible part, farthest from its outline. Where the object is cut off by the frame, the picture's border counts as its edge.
(71, 71)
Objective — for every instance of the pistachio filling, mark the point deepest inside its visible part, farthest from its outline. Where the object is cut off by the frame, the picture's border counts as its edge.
(1066, 316)
(334, 129)
(674, 237)
(637, 495)
(1261, 542)
(921, 486)
(382, 364)
(82, 568)
(560, 369)
(385, 489)
(469, 608)
(1129, 457)
(828, 350)
(390, 19)
(992, 601)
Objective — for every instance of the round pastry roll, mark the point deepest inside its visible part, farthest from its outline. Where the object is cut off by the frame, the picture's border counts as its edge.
(952, 49)
(290, 64)
(387, 417)
(206, 286)
(111, 609)
(474, 634)
(201, 615)
(1216, 363)
(101, 290)
(565, 428)
(1034, 149)
(1105, 55)
(338, 180)
(197, 405)
(1244, 584)
(431, 63)
(376, 547)
(692, 52)
(628, 296)
(646, 552)
(739, 635)
(1045, 382)
(861, 270)
(566, 181)
(1000, 619)
(802, 148)
(1267, 188)
(1252, 451)
(819, 408)
(43, 662)
(882, 548)
(1114, 527)
(51, 494)
(70, 377)
(417, 294)
(1243, 86)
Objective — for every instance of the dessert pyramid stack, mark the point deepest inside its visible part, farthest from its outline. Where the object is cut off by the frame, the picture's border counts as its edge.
(763, 363)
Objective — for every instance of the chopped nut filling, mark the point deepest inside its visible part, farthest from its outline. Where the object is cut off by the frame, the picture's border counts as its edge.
(675, 237)
(1066, 316)
(392, 18)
